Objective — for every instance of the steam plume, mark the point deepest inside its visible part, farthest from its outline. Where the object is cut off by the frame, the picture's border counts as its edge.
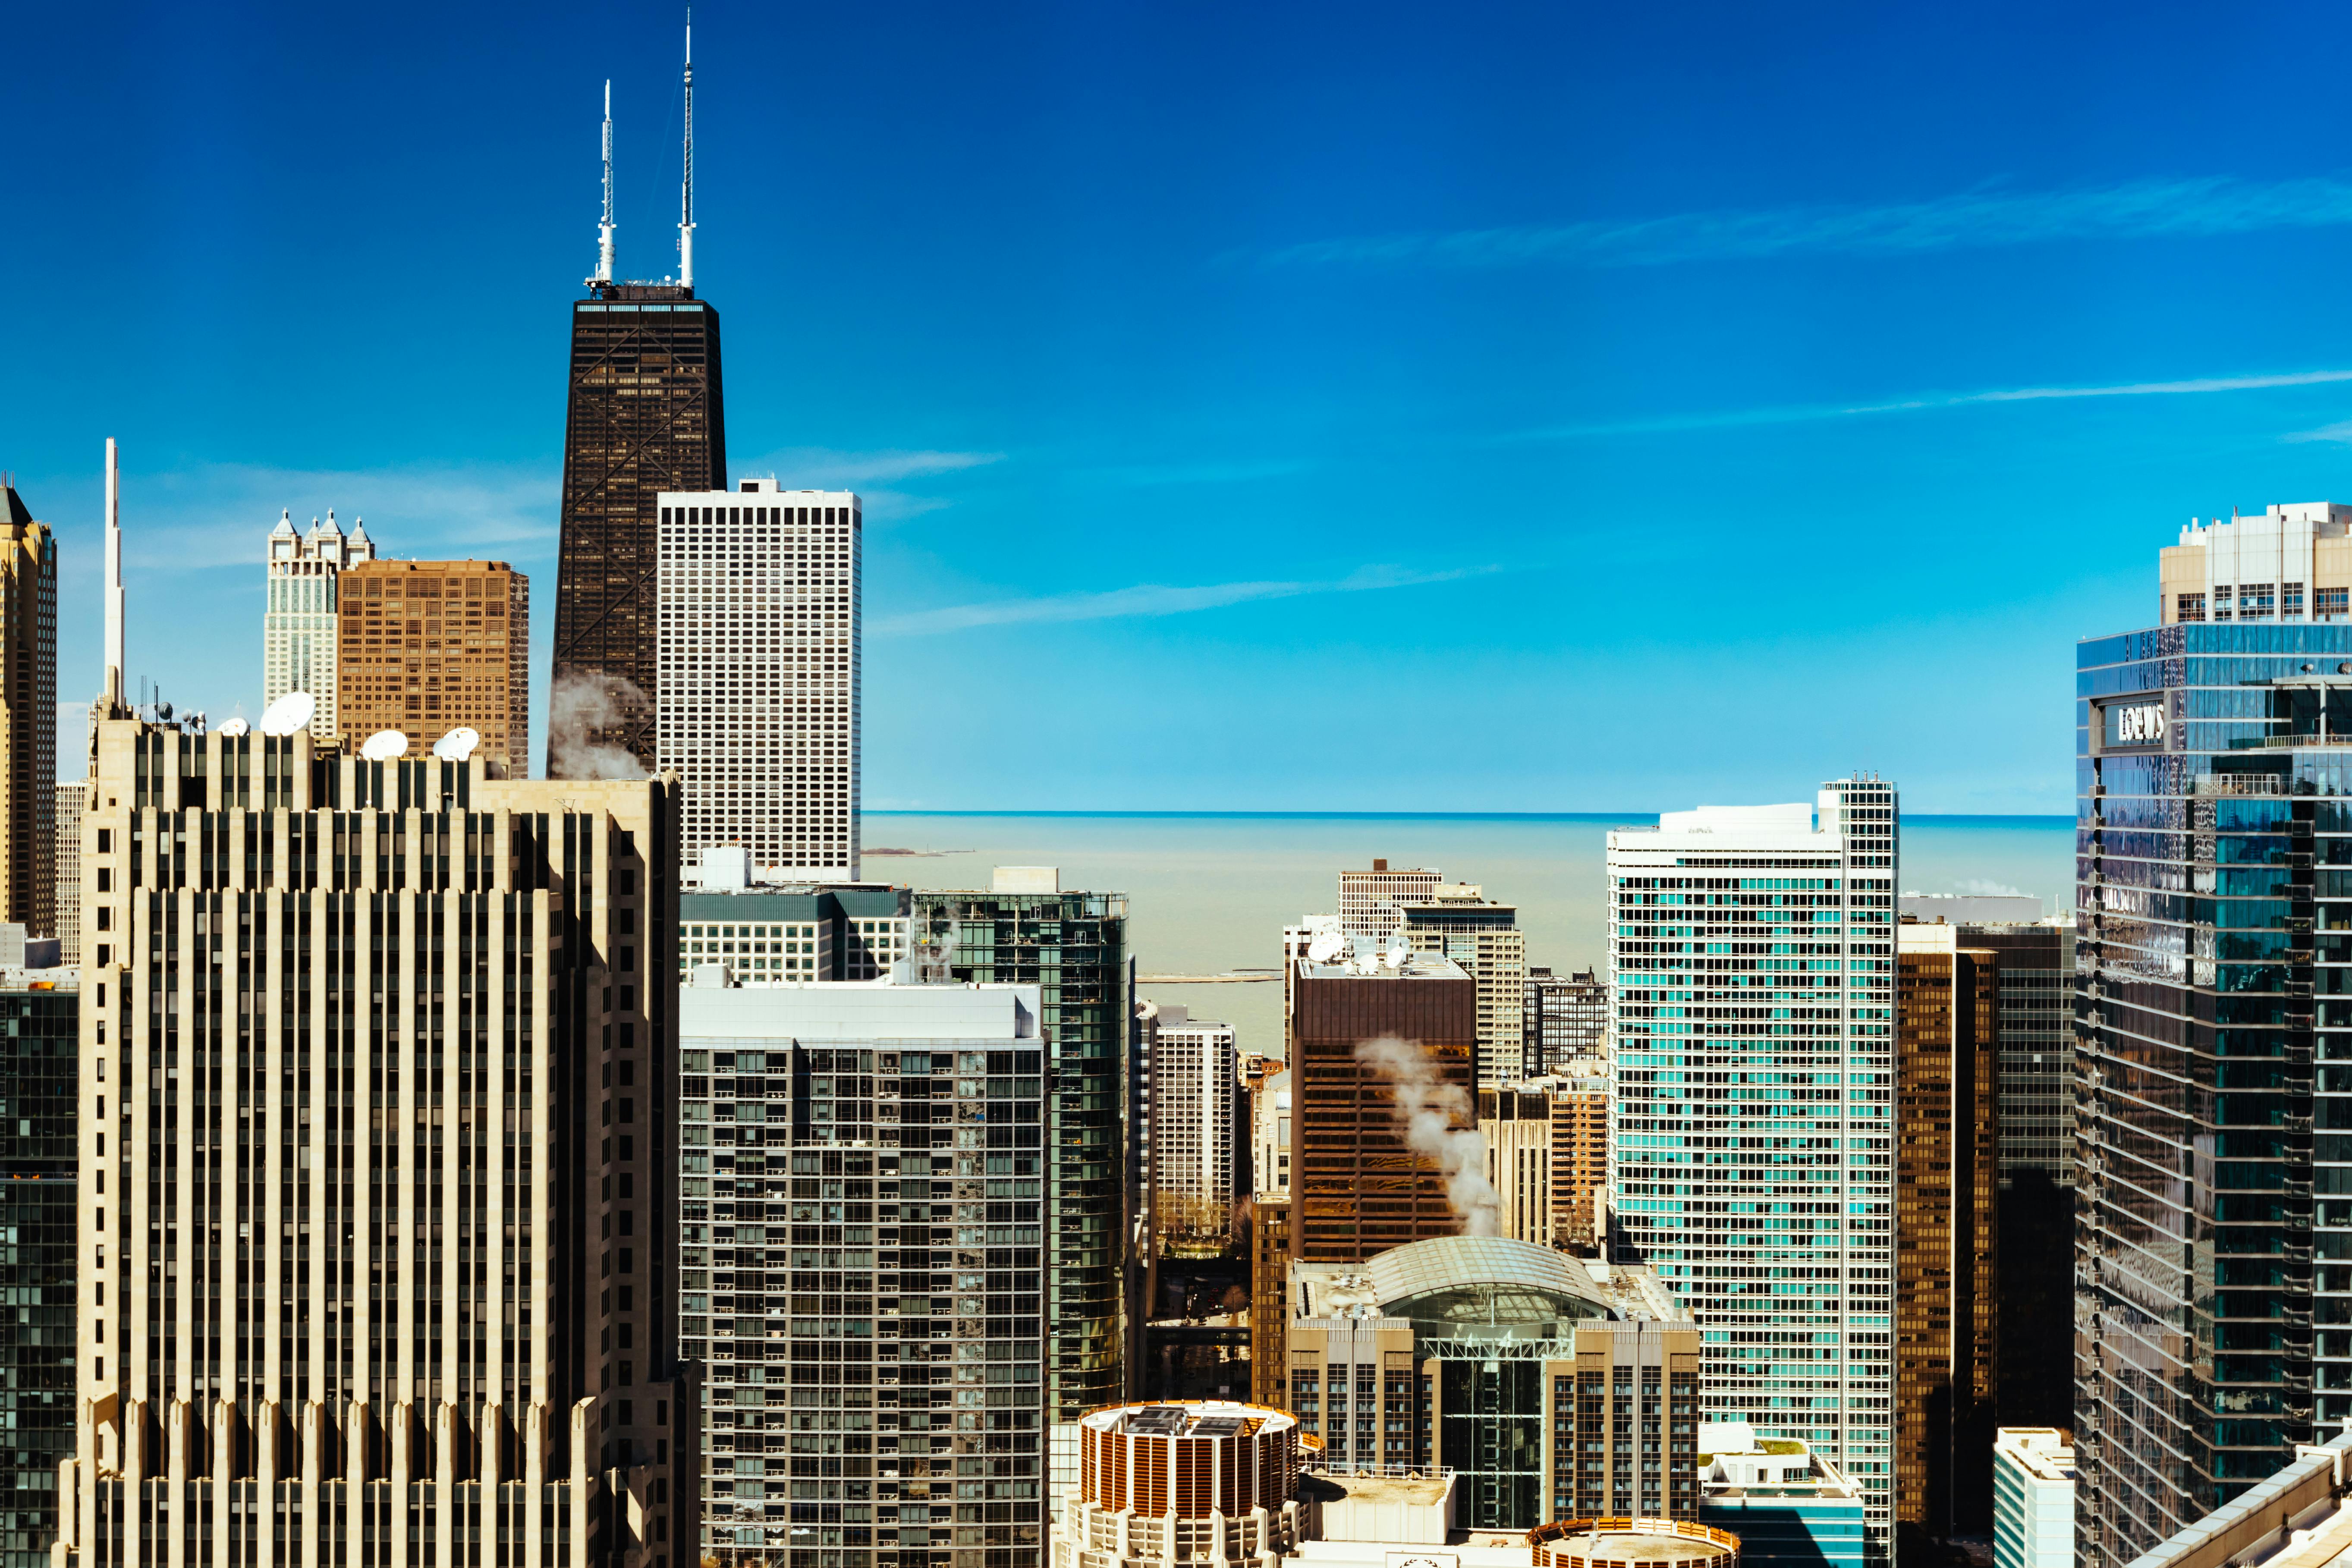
(578, 706)
(1429, 1112)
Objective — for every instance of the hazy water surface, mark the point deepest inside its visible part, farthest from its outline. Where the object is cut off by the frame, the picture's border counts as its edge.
(1210, 893)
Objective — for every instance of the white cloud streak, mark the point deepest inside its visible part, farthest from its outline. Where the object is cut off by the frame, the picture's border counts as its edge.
(823, 468)
(219, 514)
(1149, 599)
(1976, 219)
(1792, 413)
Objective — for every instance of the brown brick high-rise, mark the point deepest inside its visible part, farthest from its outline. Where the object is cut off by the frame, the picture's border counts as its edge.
(424, 646)
(644, 416)
(1355, 1189)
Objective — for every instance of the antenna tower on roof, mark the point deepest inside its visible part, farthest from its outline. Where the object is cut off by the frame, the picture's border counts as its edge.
(686, 192)
(604, 230)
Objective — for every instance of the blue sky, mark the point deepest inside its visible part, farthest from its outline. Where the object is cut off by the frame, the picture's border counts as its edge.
(1295, 407)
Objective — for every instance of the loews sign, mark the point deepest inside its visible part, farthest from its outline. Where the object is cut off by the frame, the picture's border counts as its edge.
(2140, 725)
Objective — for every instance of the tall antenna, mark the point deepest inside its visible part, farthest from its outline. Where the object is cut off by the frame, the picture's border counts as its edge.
(114, 659)
(686, 193)
(604, 230)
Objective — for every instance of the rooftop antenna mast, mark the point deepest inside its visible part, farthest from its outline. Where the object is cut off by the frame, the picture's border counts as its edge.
(114, 659)
(686, 193)
(604, 230)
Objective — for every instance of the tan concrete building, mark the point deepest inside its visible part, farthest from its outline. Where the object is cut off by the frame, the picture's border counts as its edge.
(1459, 921)
(29, 716)
(2292, 562)
(376, 1255)
(425, 647)
(1553, 1387)
(1516, 1124)
(1370, 902)
(64, 871)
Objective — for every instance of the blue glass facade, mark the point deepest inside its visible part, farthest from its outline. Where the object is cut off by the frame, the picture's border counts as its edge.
(2214, 1237)
(40, 1085)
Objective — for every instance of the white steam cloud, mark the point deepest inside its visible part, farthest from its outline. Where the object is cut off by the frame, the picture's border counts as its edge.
(1431, 1113)
(578, 707)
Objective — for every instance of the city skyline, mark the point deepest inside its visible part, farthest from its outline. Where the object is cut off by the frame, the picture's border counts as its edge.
(1541, 301)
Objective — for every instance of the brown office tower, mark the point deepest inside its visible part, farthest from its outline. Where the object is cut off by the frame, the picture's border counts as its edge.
(376, 1260)
(28, 715)
(427, 647)
(1356, 1189)
(1947, 1173)
(644, 416)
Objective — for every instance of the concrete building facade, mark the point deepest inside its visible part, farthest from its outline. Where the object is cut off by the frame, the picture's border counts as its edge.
(65, 870)
(376, 1143)
(759, 666)
(1371, 903)
(2034, 1499)
(1483, 937)
(861, 1190)
(428, 646)
(300, 625)
(1752, 966)
(1193, 1121)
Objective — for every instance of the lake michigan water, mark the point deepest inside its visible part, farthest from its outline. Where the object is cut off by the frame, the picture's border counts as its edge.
(1208, 893)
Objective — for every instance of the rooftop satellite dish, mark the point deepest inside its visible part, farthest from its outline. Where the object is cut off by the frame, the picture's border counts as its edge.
(384, 745)
(290, 712)
(1327, 946)
(457, 744)
(236, 727)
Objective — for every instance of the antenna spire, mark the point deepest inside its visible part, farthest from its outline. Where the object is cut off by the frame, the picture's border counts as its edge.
(686, 193)
(114, 659)
(604, 230)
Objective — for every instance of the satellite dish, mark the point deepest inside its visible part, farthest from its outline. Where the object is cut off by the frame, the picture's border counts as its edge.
(235, 726)
(457, 744)
(290, 712)
(1327, 946)
(384, 745)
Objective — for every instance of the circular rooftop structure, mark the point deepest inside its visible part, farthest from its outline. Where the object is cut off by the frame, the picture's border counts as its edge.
(1632, 1543)
(1485, 1287)
(1188, 1458)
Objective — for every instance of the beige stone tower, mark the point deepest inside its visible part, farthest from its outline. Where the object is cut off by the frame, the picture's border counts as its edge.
(376, 1259)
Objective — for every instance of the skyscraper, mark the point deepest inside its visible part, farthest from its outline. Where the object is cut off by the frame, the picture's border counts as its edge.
(28, 714)
(39, 1079)
(644, 416)
(1356, 1186)
(65, 870)
(2035, 975)
(1026, 932)
(427, 647)
(1752, 963)
(377, 1139)
(1191, 1163)
(760, 651)
(1947, 1173)
(2214, 1237)
(1483, 937)
(1567, 1021)
(1368, 900)
(866, 1384)
(299, 624)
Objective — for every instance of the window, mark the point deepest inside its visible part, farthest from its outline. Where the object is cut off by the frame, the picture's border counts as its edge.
(2330, 602)
(2221, 602)
(2191, 606)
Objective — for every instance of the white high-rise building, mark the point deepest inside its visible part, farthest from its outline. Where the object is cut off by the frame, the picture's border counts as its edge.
(1195, 1086)
(2032, 1498)
(1370, 902)
(757, 671)
(298, 627)
(1752, 965)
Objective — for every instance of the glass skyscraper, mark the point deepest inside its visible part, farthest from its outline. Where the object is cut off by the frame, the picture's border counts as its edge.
(1751, 955)
(1073, 947)
(40, 1083)
(2213, 1235)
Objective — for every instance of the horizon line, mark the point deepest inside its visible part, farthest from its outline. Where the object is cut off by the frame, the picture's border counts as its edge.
(2067, 818)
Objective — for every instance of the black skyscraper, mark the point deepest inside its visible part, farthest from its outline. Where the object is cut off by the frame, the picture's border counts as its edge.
(644, 416)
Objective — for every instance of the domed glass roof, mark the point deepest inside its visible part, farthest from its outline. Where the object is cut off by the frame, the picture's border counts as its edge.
(1485, 1287)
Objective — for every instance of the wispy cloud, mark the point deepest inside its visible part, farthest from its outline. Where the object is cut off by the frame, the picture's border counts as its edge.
(218, 514)
(823, 468)
(1975, 219)
(1791, 414)
(1149, 599)
(2339, 433)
